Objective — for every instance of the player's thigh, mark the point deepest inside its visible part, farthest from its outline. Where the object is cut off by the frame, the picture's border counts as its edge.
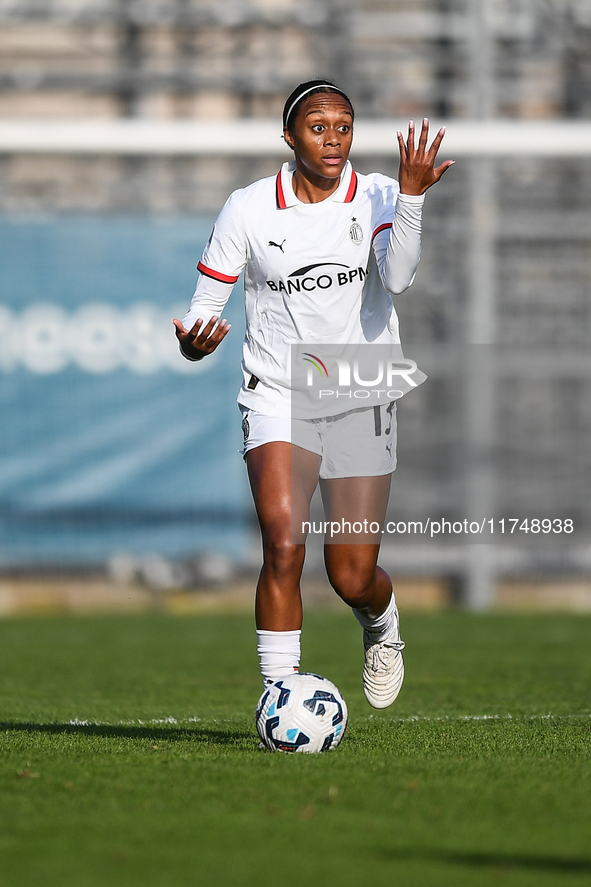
(355, 508)
(282, 478)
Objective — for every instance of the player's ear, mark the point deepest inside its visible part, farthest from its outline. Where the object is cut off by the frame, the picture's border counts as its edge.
(288, 139)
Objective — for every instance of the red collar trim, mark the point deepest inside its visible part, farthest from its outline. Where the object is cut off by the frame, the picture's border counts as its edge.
(352, 187)
(279, 196)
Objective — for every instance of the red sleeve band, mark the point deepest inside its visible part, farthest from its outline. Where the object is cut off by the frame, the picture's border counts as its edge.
(381, 228)
(216, 275)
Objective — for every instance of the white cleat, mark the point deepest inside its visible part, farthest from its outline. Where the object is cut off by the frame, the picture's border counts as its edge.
(383, 670)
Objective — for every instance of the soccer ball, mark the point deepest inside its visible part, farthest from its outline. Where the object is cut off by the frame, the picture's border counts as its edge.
(301, 713)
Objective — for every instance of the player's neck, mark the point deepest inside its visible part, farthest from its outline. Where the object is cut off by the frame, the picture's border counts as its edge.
(311, 188)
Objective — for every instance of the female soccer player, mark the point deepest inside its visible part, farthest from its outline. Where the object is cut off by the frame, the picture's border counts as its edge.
(290, 233)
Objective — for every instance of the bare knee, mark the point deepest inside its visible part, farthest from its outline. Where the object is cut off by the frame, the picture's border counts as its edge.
(281, 555)
(355, 587)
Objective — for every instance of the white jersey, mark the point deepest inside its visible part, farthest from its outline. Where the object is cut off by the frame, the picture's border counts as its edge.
(315, 273)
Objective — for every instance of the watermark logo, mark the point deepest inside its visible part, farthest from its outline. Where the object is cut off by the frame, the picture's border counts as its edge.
(316, 362)
(336, 378)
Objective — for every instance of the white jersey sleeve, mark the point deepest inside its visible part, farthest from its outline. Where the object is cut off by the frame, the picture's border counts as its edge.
(397, 244)
(221, 264)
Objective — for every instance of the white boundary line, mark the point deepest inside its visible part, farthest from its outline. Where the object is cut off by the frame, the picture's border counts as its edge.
(262, 137)
(155, 722)
(478, 718)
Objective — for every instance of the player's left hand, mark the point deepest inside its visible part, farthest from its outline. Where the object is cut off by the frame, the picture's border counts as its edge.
(201, 340)
(417, 170)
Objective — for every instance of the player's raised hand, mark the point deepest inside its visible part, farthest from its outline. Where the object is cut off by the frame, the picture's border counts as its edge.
(417, 163)
(201, 340)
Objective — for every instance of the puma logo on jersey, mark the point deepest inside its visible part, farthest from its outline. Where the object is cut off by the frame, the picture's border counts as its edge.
(278, 245)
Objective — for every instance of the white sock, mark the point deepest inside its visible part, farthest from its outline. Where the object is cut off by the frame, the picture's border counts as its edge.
(382, 624)
(279, 654)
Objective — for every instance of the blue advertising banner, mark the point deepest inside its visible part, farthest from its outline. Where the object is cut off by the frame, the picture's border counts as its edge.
(109, 440)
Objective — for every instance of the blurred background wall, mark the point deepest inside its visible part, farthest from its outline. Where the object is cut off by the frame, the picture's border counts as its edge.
(116, 454)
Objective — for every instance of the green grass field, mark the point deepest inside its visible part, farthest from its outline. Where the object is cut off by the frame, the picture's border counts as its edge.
(128, 756)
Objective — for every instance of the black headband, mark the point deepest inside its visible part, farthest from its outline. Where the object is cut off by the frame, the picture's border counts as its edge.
(310, 86)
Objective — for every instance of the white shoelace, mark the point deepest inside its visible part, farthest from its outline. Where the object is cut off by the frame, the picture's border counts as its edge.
(381, 654)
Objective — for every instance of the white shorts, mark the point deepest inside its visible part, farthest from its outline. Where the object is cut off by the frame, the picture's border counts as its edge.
(359, 443)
